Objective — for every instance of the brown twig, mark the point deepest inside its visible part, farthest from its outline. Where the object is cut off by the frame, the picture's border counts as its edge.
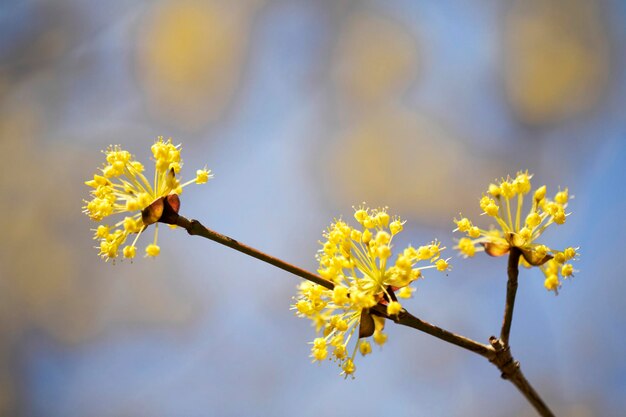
(194, 227)
(497, 353)
(503, 359)
(511, 291)
(510, 369)
(405, 318)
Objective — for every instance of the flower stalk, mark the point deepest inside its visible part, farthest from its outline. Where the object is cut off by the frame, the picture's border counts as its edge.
(195, 228)
(511, 291)
(510, 369)
(496, 352)
(404, 318)
(407, 319)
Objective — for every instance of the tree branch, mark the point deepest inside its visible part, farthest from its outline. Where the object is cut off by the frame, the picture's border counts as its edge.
(503, 359)
(497, 353)
(511, 370)
(194, 227)
(511, 291)
(405, 318)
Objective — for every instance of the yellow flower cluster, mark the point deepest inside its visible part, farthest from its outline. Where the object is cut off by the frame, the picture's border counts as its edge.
(518, 232)
(121, 187)
(358, 262)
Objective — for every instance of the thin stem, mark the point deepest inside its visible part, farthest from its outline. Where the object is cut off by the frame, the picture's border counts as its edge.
(518, 212)
(511, 291)
(194, 227)
(407, 319)
(498, 352)
(522, 384)
(511, 370)
(508, 212)
(503, 360)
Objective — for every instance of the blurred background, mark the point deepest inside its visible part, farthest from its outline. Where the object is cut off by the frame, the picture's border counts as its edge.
(303, 109)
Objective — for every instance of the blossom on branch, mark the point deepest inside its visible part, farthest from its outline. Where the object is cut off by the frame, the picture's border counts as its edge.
(504, 203)
(121, 188)
(358, 261)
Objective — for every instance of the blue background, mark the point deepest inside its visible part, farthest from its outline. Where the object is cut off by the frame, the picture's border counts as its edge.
(303, 109)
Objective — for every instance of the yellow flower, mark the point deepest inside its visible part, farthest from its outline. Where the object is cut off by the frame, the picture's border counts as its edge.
(504, 202)
(358, 261)
(121, 188)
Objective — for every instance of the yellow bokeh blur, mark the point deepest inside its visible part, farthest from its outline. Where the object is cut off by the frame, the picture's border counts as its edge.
(403, 160)
(375, 59)
(189, 59)
(557, 58)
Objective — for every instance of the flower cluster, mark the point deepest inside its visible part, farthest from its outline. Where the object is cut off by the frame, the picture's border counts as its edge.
(517, 232)
(358, 262)
(121, 187)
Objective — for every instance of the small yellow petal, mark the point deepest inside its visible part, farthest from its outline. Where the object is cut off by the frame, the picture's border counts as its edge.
(129, 252)
(393, 308)
(153, 250)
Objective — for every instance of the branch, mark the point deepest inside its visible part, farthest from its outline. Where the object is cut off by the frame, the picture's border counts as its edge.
(511, 291)
(503, 359)
(511, 370)
(497, 353)
(194, 227)
(407, 319)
